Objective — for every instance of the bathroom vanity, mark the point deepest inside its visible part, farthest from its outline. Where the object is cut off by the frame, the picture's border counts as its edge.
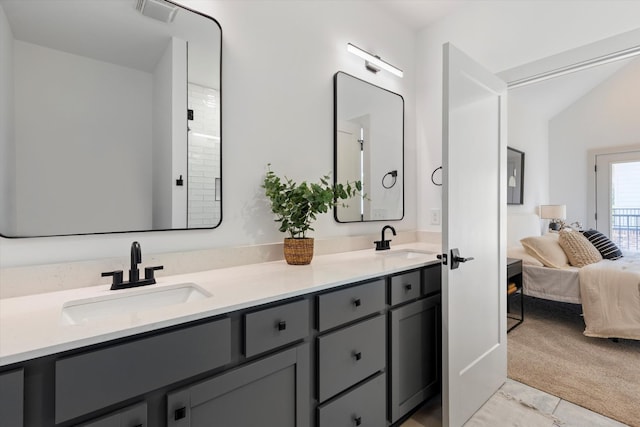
(352, 340)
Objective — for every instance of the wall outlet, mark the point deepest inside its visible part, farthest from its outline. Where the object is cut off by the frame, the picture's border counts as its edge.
(435, 216)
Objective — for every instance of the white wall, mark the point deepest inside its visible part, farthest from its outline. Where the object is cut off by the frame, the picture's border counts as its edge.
(161, 147)
(170, 137)
(64, 157)
(7, 134)
(204, 163)
(501, 35)
(608, 116)
(529, 132)
(179, 133)
(279, 58)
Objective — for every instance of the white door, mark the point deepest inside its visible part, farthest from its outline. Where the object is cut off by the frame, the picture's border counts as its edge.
(618, 198)
(474, 221)
(349, 167)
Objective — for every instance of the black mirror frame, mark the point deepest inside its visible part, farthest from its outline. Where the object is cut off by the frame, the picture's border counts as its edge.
(335, 147)
(518, 198)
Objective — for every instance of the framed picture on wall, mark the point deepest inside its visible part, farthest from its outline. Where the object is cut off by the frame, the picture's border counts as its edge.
(515, 176)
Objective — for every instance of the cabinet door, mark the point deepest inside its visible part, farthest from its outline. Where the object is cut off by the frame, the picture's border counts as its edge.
(414, 357)
(12, 398)
(274, 391)
(133, 416)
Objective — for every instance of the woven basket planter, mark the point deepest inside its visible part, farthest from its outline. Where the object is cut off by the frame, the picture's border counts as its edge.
(298, 251)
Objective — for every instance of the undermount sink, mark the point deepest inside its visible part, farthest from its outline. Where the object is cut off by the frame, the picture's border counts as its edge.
(407, 253)
(81, 311)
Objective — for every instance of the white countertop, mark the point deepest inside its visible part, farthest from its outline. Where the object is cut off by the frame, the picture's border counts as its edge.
(32, 326)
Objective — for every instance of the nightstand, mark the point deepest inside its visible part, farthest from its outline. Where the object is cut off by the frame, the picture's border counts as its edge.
(514, 291)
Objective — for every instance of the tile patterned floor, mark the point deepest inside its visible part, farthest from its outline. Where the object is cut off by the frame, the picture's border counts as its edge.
(570, 415)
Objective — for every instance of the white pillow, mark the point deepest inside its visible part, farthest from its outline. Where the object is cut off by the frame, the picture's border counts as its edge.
(547, 250)
(519, 252)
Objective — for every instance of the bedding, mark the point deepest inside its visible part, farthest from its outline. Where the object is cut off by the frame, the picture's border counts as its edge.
(608, 290)
(556, 284)
(610, 294)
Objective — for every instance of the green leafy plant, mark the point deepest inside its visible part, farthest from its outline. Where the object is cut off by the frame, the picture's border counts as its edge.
(296, 205)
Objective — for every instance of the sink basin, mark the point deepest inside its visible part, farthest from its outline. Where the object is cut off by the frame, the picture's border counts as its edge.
(84, 310)
(407, 253)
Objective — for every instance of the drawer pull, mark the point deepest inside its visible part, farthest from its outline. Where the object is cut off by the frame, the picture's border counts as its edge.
(408, 286)
(357, 302)
(357, 355)
(180, 413)
(357, 420)
(282, 325)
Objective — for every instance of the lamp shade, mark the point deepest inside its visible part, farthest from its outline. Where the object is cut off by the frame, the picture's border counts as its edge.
(553, 211)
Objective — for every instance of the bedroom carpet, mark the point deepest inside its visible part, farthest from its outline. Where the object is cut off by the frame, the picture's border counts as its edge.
(549, 352)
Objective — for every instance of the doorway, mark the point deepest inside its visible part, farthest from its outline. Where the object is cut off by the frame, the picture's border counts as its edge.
(617, 194)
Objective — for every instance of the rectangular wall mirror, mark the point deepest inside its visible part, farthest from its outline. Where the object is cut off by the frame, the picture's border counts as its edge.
(515, 177)
(111, 118)
(369, 147)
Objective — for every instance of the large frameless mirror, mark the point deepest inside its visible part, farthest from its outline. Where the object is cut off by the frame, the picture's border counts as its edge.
(369, 147)
(110, 116)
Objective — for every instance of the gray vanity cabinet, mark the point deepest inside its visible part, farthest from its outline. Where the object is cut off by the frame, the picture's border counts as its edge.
(414, 368)
(133, 416)
(272, 391)
(12, 398)
(363, 354)
(93, 380)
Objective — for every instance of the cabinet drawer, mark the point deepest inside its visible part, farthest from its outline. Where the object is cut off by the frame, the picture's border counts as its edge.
(431, 279)
(405, 287)
(345, 305)
(12, 397)
(99, 378)
(363, 406)
(274, 327)
(350, 355)
(133, 416)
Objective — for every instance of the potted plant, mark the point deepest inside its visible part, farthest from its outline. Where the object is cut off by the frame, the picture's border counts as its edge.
(296, 206)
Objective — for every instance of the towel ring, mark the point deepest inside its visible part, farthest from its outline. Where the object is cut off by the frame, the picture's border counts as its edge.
(393, 174)
(433, 174)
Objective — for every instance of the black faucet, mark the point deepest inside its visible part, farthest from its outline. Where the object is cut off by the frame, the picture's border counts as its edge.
(382, 244)
(134, 273)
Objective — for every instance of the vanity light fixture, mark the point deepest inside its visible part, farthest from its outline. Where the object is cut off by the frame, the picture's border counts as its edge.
(157, 9)
(374, 63)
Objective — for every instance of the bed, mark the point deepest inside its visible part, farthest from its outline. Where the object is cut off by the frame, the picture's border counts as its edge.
(609, 290)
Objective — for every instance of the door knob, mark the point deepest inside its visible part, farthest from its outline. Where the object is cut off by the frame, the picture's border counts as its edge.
(456, 259)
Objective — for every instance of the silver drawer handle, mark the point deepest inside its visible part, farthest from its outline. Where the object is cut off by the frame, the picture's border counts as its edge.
(357, 302)
(357, 355)
(282, 325)
(408, 286)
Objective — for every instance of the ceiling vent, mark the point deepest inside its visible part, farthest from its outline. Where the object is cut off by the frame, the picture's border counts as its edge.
(157, 9)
